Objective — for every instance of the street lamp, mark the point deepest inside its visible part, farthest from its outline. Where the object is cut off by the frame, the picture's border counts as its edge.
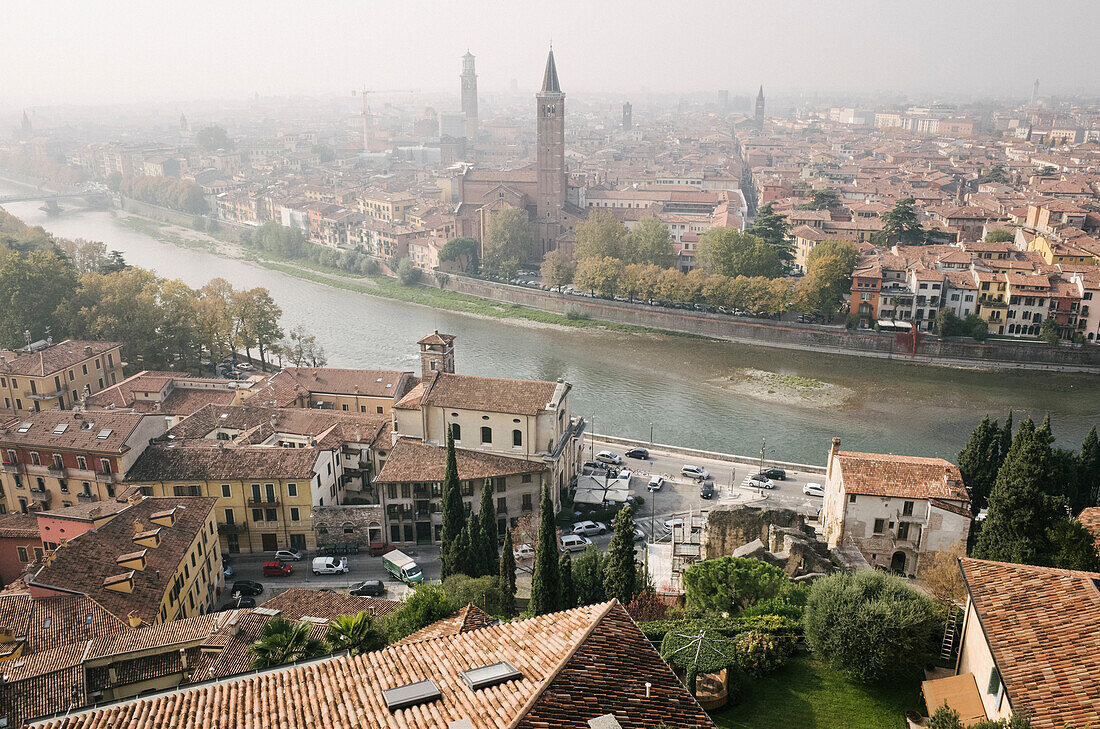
(651, 433)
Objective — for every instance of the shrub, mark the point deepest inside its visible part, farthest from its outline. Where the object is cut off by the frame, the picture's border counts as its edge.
(407, 273)
(789, 602)
(777, 625)
(647, 606)
(484, 592)
(869, 624)
(758, 653)
(731, 584)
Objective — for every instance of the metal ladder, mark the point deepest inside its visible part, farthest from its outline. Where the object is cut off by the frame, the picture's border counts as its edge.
(947, 648)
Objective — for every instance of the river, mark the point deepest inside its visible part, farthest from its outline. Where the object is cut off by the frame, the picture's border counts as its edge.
(625, 382)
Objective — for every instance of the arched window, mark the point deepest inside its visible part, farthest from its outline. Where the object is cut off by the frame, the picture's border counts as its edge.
(517, 437)
(456, 431)
(486, 435)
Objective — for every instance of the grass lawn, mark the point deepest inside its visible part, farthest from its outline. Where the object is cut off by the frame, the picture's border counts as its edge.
(806, 694)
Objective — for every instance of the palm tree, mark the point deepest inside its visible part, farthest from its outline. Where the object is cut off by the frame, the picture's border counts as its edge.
(282, 641)
(355, 634)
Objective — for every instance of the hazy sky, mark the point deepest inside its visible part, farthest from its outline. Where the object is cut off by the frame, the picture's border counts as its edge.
(106, 51)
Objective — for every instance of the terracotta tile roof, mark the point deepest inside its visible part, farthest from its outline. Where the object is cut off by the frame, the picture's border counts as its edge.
(262, 422)
(297, 603)
(87, 511)
(490, 394)
(53, 359)
(18, 526)
(184, 462)
(1043, 628)
(1090, 519)
(468, 618)
(121, 395)
(45, 623)
(413, 461)
(332, 380)
(594, 652)
(83, 563)
(411, 400)
(913, 477)
(437, 338)
(81, 433)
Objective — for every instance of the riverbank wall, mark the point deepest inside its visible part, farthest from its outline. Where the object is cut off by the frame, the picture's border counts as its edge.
(999, 354)
(710, 455)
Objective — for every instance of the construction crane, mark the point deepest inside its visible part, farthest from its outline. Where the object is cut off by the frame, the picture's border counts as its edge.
(368, 131)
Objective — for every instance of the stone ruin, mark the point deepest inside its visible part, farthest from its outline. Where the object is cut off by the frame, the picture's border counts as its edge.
(774, 535)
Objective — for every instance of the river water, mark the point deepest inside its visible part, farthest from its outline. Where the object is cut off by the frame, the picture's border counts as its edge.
(624, 383)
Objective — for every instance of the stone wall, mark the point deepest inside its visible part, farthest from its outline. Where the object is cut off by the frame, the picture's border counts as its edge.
(331, 524)
(731, 526)
(864, 342)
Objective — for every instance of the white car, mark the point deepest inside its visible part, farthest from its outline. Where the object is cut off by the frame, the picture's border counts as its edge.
(574, 543)
(760, 482)
(523, 551)
(656, 482)
(627, 474)
(671, 524)
(697, 472)
(244, 367)
(330, 565)
(613, 459)
(813, 489)
(288, 555)
(585, 528)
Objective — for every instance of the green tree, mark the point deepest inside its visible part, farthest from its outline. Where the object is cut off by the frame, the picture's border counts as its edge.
(588, 572)
(1048, 331)
(282, 641)
(507, 242)
(729, 253)
(213, 138)
(1089, 467)
(488, 556)
(772, 228)
(602, 235)
(845, 250)
(302, 349)
(599, 275)
(731, 584)
(454, 512)
(425, 605)
(1000, 235)
(821, 200)
(979, 461)
(568, 589)
(463, 251)
(620, 572)
(828, 280)
(557, 269)
(1006, 440)
(32, 287)
(546, 580)
(484, 592)
(947, 324)
(359, 633)
(869, 624)
(407, 272)
(1073, 547)
(995, 174)
(508, 577)
(901, 225)
(650, 243)
(976, 327)
(259, 315)
(1021, 510)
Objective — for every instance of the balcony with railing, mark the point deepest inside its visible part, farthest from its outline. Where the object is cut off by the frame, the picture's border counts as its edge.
(11, 467)
(105, 476)
(261, 503)
(237, 527)
(86, 497)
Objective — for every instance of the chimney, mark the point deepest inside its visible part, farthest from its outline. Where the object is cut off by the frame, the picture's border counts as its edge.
(832, 454)
(87, 351)
(133, 619)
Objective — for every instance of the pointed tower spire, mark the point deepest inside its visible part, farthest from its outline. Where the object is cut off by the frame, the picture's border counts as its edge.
(550, 77)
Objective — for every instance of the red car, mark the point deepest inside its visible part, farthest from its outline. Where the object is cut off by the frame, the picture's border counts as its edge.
(276, 569)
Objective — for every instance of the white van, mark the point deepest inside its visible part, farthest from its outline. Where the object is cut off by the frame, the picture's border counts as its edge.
(330, 565)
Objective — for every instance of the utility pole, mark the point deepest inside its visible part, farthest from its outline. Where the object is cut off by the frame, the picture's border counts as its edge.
(651, 434)
(763, 445)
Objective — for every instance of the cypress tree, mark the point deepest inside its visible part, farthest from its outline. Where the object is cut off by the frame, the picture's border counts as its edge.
(546, 581)
(453, 511)
(568, 591)
(1089, 467)
(978, 462)
(460, 552)
(1045, 431)
(1006, 440)
(620, 573)
(1020, 510)
(508, 576)
(488, 556)
(472, 564)
(588, 576)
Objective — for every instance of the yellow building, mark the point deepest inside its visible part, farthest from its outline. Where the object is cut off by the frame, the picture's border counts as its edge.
(44, 376)
(156, 560)
(1066, 252)
(384, 205)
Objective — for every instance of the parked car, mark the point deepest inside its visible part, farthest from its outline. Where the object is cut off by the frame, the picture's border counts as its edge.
(655, 483)
(275, 568)
(774, 473)
(697, 472)
(586, 528)
(330, 565)
(639, 535)
(625, 473)
(574, 543)
(523, 551)
(671, 524)
(227, 568)
(247, 588)
(640, 453)
(707, 490)
(368, 588)
(813, 489)
(610, 458)
(240, 602)
(288, 555)
(761, 482)
(245, 367)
